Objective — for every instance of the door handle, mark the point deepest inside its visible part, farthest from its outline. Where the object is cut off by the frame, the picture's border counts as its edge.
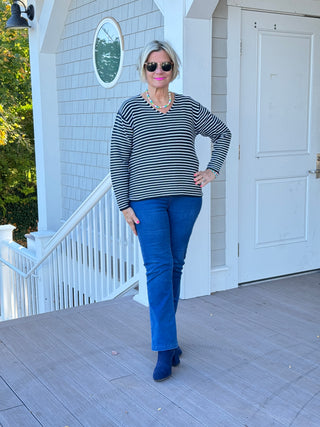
(315, 172)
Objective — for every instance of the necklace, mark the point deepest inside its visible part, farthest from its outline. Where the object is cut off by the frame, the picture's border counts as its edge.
(158, 106)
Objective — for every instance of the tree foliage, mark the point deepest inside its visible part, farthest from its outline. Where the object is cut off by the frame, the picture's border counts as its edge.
(15, 82)
(17, 162)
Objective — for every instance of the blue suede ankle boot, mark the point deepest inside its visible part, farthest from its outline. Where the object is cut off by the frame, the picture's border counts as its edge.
(163, 368)
(176, 356)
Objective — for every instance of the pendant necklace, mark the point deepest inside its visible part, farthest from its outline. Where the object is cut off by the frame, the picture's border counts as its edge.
(159, 107)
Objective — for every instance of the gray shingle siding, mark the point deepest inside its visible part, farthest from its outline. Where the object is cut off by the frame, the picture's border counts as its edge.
(86, 109)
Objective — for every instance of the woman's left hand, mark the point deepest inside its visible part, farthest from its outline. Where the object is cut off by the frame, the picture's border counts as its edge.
(202, 178)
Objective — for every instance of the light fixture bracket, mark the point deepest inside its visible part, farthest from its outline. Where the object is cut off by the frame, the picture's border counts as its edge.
(30, 12)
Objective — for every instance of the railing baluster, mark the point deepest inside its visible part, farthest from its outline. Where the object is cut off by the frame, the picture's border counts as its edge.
(27, 295)
(79, 262)
(62, 290)
(90, 255)
(16, 301)
(58, 285)
(128, 255)
(103, 277)
(114, 234)
(53, 264)
(84, 256)
(69, 267)
(95, 250)
(121, 257)
(108, 243)
(73, 264)
(130, 252)
(34, 292)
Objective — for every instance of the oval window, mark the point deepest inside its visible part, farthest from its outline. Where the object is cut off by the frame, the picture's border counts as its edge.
(108, 52)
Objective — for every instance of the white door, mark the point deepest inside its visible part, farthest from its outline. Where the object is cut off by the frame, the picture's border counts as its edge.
(279, 200)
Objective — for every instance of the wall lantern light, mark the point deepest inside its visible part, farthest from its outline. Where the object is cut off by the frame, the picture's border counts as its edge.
(16, 21)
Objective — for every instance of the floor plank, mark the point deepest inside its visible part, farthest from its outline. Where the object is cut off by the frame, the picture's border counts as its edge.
(8, 399)
(18, 416)
(250, 358)
(31, 392)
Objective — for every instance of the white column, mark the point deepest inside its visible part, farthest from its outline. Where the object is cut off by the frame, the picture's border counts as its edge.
(46, 140)
(191, 37)
(46, 131)
(197, 83)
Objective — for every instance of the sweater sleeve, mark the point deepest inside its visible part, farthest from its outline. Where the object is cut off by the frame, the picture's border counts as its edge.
(121, 143)
(207, 124)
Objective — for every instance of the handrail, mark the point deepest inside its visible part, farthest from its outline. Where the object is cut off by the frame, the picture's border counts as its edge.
(94, 197)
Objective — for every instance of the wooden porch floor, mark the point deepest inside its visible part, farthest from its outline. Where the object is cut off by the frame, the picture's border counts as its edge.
(251, 357)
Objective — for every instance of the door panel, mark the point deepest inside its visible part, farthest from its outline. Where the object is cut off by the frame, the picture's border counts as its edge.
(277, 206)
(279, 201)
(283, 92)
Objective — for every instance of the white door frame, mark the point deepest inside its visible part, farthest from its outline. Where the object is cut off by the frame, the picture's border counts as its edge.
(229, 274)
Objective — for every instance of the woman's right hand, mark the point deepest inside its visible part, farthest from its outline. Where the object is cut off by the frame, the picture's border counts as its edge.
(131, 219)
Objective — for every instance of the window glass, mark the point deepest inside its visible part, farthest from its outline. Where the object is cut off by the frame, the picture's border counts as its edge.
(108, 52)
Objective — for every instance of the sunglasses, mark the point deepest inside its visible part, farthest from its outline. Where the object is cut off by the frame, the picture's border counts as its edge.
(152, 66)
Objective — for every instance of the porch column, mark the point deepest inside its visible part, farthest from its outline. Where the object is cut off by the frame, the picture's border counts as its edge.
(44, 36)
(46, 139)
(188, 27)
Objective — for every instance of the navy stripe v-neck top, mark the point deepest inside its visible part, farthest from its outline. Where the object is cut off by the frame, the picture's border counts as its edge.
(153, 154)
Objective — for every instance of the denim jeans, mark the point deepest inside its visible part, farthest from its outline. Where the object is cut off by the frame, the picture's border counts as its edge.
(165, 227)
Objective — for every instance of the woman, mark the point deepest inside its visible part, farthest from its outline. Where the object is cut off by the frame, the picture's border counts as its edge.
(154, 170)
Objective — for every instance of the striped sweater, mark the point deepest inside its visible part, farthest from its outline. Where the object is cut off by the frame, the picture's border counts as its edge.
(153, 154)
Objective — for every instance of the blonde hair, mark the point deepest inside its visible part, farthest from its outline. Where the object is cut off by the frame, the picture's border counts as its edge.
(156, 46)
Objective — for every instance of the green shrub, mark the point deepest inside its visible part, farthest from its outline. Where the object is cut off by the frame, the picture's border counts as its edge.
(18, 192)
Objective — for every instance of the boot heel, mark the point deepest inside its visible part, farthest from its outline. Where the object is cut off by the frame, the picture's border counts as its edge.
(176, 356)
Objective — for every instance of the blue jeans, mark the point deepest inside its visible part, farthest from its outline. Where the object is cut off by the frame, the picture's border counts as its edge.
(165, 227)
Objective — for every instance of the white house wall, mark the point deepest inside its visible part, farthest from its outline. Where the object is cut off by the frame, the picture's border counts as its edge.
(86, 109)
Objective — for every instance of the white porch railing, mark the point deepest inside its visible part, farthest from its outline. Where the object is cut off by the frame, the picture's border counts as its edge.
(93, 257)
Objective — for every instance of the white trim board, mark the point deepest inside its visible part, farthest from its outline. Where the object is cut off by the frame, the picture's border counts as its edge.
(297, 7)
